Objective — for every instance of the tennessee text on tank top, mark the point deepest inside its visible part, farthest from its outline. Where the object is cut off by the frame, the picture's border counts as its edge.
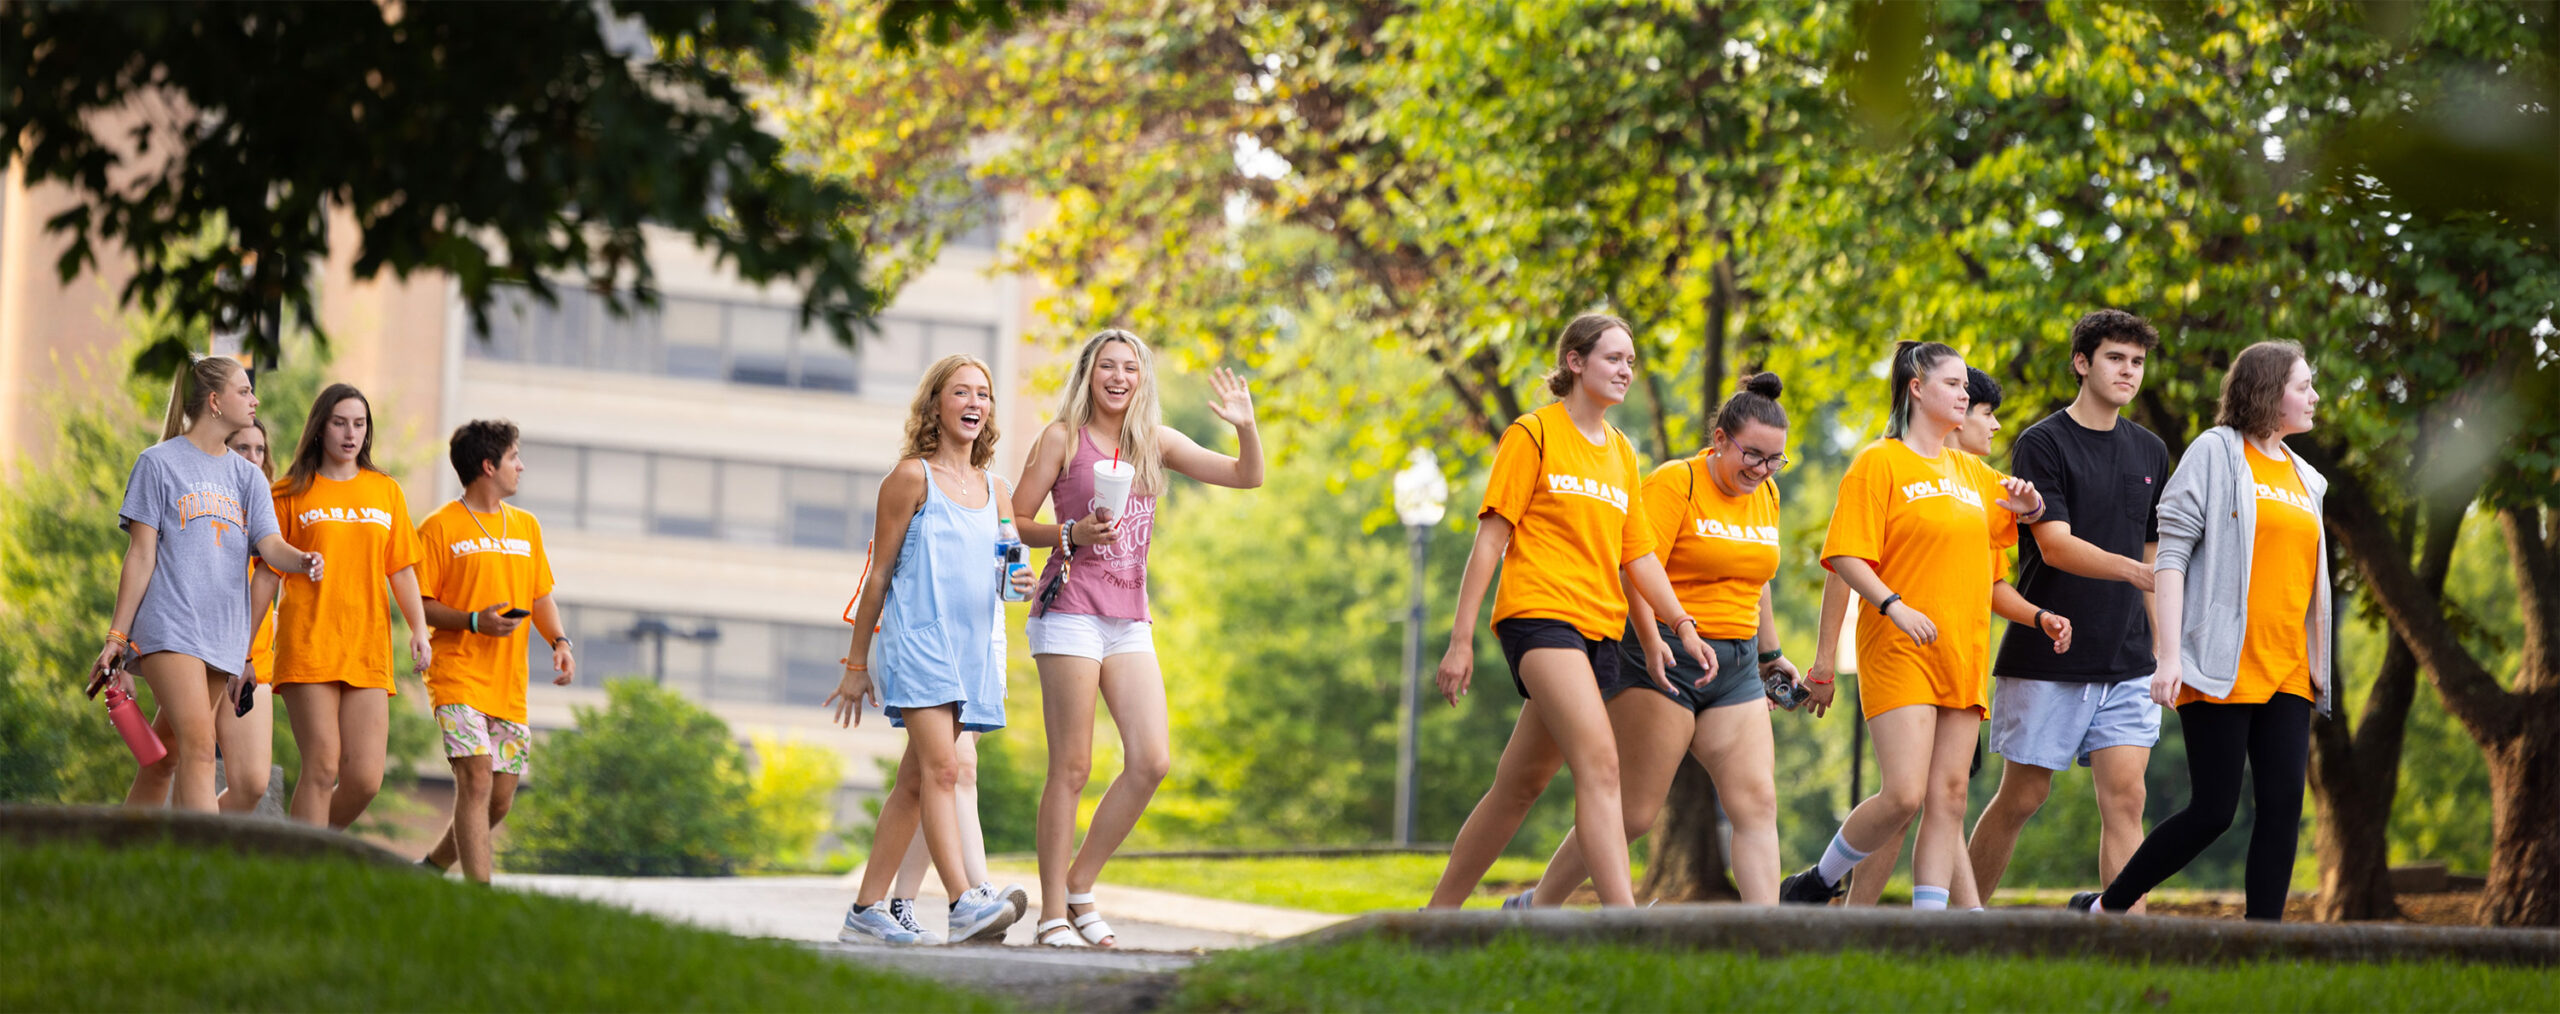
(1108, 580)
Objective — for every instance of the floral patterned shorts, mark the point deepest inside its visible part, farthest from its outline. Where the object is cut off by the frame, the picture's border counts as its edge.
(470, 732)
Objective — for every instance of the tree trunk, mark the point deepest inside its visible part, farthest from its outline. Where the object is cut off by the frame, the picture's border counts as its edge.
(1687, 860)
(2356, 779)
(2524, 849)
(1711, 365)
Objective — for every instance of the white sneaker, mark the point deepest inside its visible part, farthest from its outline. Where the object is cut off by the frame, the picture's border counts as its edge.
(981, 913)
(904, 910)
(874, 925)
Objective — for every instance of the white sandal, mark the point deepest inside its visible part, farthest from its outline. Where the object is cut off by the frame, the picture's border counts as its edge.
(1058, 933)
(1090, 925)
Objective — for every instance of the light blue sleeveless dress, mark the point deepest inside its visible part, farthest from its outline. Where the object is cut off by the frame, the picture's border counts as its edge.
(938, 625)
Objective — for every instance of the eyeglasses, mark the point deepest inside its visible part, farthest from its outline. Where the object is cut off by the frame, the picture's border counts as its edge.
(1764, 462)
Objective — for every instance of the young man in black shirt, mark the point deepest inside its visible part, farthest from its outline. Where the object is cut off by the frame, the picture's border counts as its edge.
(2089, 558)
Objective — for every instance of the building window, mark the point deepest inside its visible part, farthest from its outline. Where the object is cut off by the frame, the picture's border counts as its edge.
(749, 662)
(616, 492)
(759, 344)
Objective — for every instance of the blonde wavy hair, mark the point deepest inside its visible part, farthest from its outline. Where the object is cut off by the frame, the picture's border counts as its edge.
(924, 418)
(1138, 443)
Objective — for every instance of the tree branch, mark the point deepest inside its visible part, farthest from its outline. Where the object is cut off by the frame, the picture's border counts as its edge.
(2469, 691)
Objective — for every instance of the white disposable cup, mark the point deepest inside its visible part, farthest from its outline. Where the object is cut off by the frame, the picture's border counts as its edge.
(1111, 481)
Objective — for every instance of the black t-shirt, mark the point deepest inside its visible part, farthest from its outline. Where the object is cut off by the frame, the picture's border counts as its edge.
(2107, 487)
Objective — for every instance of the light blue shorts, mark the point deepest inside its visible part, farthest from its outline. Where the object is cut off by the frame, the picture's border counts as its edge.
(2048, 724)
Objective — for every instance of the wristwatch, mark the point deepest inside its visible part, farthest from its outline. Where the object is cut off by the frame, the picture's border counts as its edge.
(562, 641)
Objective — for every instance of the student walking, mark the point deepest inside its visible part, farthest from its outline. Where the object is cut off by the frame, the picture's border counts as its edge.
(246, 738)
(1559, 520)
(973, 838)
(1714, 518)
(1918, 531)
(333, 657)
(939, 519)
(2102, 476)
(1973, 436)
(194, 513)
(482, 570)
(2240, 629)
(1090, 629)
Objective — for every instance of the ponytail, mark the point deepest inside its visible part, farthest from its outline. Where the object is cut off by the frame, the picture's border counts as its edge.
(1911, 361)
(194, 386)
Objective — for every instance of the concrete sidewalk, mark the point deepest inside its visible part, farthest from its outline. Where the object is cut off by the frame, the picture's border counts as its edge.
(811, 909)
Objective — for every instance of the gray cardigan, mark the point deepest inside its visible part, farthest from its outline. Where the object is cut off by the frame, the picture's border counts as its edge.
(2208, 525)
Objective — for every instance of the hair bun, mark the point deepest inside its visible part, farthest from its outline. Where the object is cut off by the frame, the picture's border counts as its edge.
(1765, 385)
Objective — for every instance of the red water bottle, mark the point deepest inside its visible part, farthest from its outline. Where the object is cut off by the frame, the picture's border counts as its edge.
(135, 729)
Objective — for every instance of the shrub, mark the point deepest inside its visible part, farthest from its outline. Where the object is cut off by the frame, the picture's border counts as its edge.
(792, 793)
(652, 785)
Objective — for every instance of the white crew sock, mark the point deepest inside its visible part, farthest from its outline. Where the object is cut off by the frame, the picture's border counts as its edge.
(1839, 859)
(1925, 898)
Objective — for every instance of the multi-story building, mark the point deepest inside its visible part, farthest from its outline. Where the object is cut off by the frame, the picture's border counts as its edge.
(705, 472)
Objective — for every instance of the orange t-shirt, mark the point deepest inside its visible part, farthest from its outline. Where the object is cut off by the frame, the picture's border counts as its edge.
(470, 561)
(1934, 530)
(1722, 549)
(339, 630)
(262, 645)
(2284, 562)
(1574, 523)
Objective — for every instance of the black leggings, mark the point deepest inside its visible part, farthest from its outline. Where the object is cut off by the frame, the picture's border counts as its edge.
(2275, 738)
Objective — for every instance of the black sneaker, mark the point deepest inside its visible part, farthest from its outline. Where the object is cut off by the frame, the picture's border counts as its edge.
(2085, 903)
(1807, 888)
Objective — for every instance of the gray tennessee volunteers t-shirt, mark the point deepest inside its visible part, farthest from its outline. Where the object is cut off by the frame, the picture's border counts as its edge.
(210, 514)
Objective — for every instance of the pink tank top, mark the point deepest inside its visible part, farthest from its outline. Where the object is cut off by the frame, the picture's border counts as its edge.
(1108, 580)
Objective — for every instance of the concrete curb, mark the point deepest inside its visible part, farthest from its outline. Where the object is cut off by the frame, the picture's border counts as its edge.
(122, 827)
(2045, 934)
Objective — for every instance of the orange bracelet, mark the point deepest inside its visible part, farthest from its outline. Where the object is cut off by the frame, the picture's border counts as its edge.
(853, 665)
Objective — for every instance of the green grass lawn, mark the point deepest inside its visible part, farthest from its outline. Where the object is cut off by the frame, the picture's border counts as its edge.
(170, 929)
(1346, 885)
(1521, 974)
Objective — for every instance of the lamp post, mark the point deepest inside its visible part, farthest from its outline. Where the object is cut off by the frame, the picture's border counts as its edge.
(656, 630)
(1422, 497)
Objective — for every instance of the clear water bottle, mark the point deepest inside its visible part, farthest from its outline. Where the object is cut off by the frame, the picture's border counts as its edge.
(1009, 560)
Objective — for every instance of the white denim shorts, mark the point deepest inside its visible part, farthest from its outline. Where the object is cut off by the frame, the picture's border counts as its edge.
(1085, 636)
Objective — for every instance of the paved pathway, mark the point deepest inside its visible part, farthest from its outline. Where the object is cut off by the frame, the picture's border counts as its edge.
(1177, 931)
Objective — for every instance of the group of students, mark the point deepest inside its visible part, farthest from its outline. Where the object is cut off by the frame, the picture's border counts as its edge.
(1635, 612)
(238, 587)
(928, 635)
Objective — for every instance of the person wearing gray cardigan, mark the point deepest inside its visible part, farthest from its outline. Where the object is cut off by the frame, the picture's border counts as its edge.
(2241, 629)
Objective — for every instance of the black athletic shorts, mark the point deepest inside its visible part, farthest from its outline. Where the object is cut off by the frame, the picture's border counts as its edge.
(1521, 633)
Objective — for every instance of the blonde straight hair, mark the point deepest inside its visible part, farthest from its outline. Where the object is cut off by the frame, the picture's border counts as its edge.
(1138, 443)
(924, 418)
(195, 384)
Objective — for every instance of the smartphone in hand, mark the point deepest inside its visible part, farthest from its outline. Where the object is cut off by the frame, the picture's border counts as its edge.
(517, 613)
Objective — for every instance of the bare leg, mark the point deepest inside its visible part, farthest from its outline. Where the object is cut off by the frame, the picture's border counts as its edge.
(1866, 884)
(1069, 686)
(2023, 789)
(935, 774)
(1134, 689)
(1529, 762)
(1652, 732)
(897, 835)
(186, 691)
(474, 795)
(315, 710)
(364, 734)
(1571, 708)
(973, 842)
(248, 752)
(2118, 771)
(1941, 844)
(1736, 747)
